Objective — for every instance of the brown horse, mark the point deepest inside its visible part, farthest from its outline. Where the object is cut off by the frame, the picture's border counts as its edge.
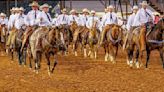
(44, 40)
(113, 39)
(155, 40)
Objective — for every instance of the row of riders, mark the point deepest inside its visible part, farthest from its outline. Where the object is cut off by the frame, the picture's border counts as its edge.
(37, 33)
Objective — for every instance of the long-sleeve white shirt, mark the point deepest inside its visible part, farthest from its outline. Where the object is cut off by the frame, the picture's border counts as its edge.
(83, 20)
(44, 19)
(91, 20)
(110, 18)
(4, 21)
(20, 21)
(31, 18)
(130, 21)
(73, 18)
(11, 21)
(63, 19)
(143, 16)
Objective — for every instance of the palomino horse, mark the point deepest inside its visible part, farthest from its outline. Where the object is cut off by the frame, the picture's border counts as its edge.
(113, 40)
(44, 40)
(3, 38)
(93, 37)
(155, 40)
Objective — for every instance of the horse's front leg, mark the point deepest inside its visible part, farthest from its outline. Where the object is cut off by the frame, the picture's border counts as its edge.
(24, 56)
(47, 56)
(29, 57)
(147, 57)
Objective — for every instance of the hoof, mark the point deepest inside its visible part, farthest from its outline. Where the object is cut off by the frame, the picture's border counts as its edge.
(137, 65)
(49, 73)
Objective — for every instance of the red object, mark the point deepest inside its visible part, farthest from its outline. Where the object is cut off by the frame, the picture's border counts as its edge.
(156, 19)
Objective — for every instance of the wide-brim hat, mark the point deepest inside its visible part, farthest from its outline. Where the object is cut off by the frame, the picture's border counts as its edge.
(12, 9)
(110, 7)
(21, 9)
(45, 6)
(92, 11)
(2, 15)
(73, 11)
(34, 3)
(85, 10)
(144, 3)
(156, 13)
(135, 7)
(64, 10)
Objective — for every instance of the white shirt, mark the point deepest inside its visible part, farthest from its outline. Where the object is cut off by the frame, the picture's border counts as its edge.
(110, 18)
(143, 16)
(73, 18)
(4, 21)
(44, 19)
(130, 21)
(32, 17)
(91, 20)
(83, 20)
(54, 22)
(63, 19)
(19, 21)
(11, 21)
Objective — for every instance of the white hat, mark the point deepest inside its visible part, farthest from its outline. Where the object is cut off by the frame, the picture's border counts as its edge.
(92, 11)
(64, 10)
(2, 15)
(16, 9)
(34, 3)
(156, 13)
(21, 9)
(12, 9)
(144, 3)
(85, 10)
(110, 7)
(45, 6)
(135, 7)
(73, 10)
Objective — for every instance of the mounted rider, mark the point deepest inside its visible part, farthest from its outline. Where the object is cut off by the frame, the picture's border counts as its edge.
(73, 16)
(31, 21)
(143, 18)
(109, 21)
(93, 19)
(3, 26)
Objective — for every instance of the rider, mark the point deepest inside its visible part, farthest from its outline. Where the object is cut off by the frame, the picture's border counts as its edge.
(30, 21)
(109, 21)
(3, 24)
(143, 18)
(93, 19)
(44, 19)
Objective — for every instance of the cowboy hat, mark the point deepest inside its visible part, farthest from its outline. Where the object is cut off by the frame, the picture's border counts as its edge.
(110, 7)
(21, 9)
(156, 13)
(45, 6)
(92, 11)
(2, 15)
(85, 10)
(135, 7)
(12, 9)
(72, 11)
(64, 10)
(144, 3)
(34, 3)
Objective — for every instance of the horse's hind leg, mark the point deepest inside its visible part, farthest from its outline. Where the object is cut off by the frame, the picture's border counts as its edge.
(130, 57)
(162, 57)
(147, 58)
(136, 58)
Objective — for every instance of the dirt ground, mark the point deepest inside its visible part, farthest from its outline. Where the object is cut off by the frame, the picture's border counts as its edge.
(78, 74)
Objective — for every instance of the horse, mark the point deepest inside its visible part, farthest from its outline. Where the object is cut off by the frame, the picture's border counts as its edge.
(113, 38)
(3, 38)
(44, 40)
(155, 40)
(135, 44)
(18, 44)
(93, 37)
(65, 36)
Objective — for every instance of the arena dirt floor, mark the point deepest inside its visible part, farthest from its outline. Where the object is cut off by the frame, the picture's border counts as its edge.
(78, 74)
